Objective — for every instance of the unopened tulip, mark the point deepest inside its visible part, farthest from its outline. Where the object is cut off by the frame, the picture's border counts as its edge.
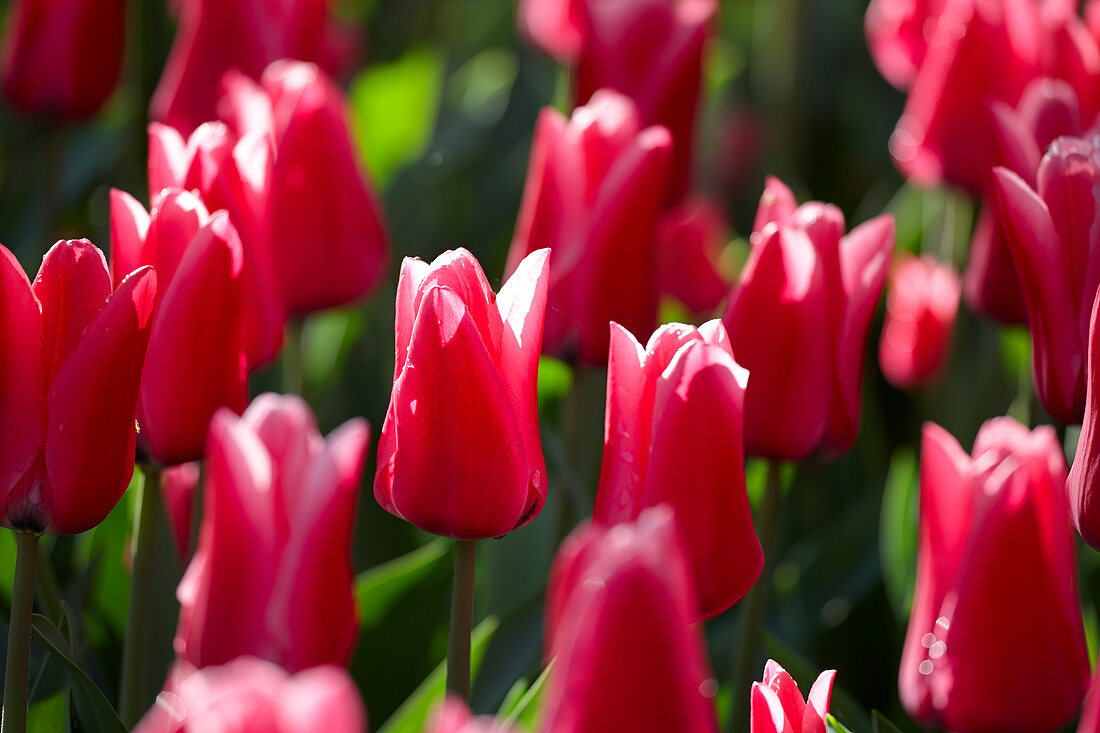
(920, 319)
(800, 314)
(690, 241)
(673, 434)
(271, 576)
(620, 607)
(465, 356)
(995, 639)
(249, 695)
(452, 716)
(61, 58)
(70, 364)
(1051, 232)
(1090, 715)
(196, 361)
(776, 704)
(177, 485)
(216, 36)
(594, 189)
(1084, 478)
(328, 242)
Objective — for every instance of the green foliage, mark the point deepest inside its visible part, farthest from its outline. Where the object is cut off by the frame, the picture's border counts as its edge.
(898, 531)
(378, 589)
(525, 708)
(50, 715)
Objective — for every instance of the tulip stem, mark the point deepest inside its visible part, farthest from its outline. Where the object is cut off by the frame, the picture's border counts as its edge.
(462, 621)
(17, 672)
(745, 666)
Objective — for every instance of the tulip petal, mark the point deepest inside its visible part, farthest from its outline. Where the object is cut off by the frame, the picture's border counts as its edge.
(766, 711)
(626, 430)
(324, 693)
(168, 158)
(1084, 477)
(777, 204)
(129, 227)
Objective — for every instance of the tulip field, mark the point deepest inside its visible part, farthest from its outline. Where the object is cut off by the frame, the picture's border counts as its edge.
(550, 366)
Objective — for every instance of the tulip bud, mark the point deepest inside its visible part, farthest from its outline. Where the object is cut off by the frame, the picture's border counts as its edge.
(799, 315)
(618, 623)
(248, 695)
(920, 318)
(673, 435)
(70, 364)
(271, 576)
(452, 716)
(776, 705)
(1084, 477)
(465, 355)
(690, 241)
(995, 639)
(595, 185)
(62, 58)
(178, 484)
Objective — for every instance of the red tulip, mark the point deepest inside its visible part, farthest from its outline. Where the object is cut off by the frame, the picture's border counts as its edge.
(249, 695)
(777, 706)
(465, 356)
(690, 238)
(62, 57)
(673, 435)
(1084, 478)
(920, 318)
(799, 315)
(897, 35)
(619, 610)
(235, 175)
(327, 237)
(1058, 257)
(452, 716)
(178, 484)
(1090, 715)
(196, 360)
(70, 363)
(595, 185)
(995, 639)
(272, 573)
(216, 36)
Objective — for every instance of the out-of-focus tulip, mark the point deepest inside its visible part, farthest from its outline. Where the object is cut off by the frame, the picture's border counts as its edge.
(216, 36)
(776, 704)
(61, 58)
(235, 175)
(995, 639)
(70, 364)
(1054, 244)
(452, 716)
(897, 35)
(800, 314)
(178, 484)
(673, 434)
(609, 589)
(920, 319)
(1084, 478)
(249, 695)
(1090, 715)
(328, 242)
(594, 189)
(272, 573)
(691, 237)
(465, 356)
(196, 360)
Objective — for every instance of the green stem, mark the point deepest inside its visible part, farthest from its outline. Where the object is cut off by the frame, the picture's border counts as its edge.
(745, 666)
(462, 620)
(293, 358)
(17, 673)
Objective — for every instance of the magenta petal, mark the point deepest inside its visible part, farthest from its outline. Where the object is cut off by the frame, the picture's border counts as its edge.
(129, 228)
(777, 204)
(168, 158)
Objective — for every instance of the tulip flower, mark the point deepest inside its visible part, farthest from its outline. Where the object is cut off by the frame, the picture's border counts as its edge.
(70, 364)
(673, 435)
(609, 589)
(61, 58)
(920, 318)
(249, 695)
(272, 573)
(452, 716)
(995, 638)
(595, 185)
(897, 36)
(1090, 715)
(1049, 230)
(196, 361)
(177, 485)
(216, 36)
(327, 238)
(465, 356)
(1084, 477)
(799, 315)
(690, 241)
(777, 705)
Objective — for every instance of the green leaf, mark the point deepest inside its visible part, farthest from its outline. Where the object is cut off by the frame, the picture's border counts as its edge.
(92, 708)
(898, 531)
(413, 713)
(50, 715)
(835, 726)
(327, 338)
(394, 108)
(555, 381)
(881, 724)
(527, 711)
(378, 589)
(480, 88)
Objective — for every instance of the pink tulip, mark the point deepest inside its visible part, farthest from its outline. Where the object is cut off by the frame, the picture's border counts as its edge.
(920, 319)
(776, 705)
(595, 185)
(995, 639)
(897, 35)
(799, 315)
(690, 238)
(177, 485)
(452, 716)
(70, 364)
(1084, 478)
(1090, 715)
(673, 434)
(465, 356)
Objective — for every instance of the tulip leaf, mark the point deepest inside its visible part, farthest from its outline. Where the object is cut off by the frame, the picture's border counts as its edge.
(881, 724)
(527, 710)
(805, 673)
(413, 713)
(555, 381)
(50, 715)
(92, 708)
(898, 531)
(377, 589)
(835, 726)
